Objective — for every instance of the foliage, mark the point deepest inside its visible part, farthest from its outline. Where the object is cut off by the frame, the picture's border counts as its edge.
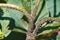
(13, 20)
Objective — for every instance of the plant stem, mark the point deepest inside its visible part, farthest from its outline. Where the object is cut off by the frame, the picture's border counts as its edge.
(23, 11)
(16, 8)
(36, 9)
(38, 26)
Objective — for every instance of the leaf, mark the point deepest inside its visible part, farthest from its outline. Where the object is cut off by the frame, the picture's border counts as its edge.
(45, 35)
(53, 25)
(42, 12)
(49, 28)
(15, 15)
(1, 35)
(15, 2)
(58, 37)
(25, 24)
(18, 30)
(49, 10)
(53, 8)
(4, 24)
(27, 5)
(45, 32)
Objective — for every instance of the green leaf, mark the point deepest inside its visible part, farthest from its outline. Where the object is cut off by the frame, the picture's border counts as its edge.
(54, 8)
(18, 30)
(53, 25)
(1, 35)
(49, 28)
(15, 15)
(4, 24)
(50, 7)
(27, 5)
(15, 2)
(42, 12)
(45, 32)
(58, 37)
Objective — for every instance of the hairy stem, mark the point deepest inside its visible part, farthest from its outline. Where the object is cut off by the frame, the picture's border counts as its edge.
(23, 11)
(35, 9)
(17, 8)
(29, 35)
(38, 26)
